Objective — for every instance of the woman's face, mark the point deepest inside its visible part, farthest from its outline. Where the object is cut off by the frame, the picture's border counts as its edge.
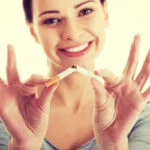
(70, 31)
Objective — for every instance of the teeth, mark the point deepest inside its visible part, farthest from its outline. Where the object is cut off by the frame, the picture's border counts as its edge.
(77, 49)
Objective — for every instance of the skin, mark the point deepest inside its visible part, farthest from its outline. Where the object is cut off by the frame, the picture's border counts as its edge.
(72, 29)
(121, 101)
(116, 105)
(17, 101)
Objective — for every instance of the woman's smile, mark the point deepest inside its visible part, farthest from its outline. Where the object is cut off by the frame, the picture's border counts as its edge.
(77, 51)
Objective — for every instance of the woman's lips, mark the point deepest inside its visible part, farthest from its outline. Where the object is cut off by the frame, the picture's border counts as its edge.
(78, 53)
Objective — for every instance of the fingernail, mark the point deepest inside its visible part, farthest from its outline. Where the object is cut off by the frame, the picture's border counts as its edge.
(94, 81)
(10, 49)
(137, 37)
(96, 72)
(55, 85)
(9, 46)
(149, 54)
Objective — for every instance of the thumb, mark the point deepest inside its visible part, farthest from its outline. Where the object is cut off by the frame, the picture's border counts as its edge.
(100, 94)
(36, 79)
(37, 82)
(109, 77)
(46, 96)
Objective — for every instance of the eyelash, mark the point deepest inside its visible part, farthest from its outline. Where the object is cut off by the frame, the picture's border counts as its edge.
(50, 20)
(87, 9)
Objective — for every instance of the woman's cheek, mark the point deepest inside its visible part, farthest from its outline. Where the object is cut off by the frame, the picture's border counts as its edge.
(97, 26)
(48, 41)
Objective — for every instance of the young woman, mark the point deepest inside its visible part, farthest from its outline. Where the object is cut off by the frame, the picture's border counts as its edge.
(78, 112)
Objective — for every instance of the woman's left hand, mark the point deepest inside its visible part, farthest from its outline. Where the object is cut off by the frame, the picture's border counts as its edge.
(118, 104)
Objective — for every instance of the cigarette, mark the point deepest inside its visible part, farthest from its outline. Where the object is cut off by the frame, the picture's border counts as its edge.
(60, 76)
(89, 74)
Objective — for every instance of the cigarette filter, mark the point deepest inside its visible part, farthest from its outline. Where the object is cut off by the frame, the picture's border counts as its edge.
(60, 76)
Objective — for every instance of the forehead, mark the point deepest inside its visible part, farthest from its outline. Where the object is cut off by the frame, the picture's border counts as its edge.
(42, 5)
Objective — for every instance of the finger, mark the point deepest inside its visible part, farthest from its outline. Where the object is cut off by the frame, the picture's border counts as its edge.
(25, 90)
(146, 94)
(2, 87)
(133, 58)
(2, 83)
(11, 69)
(46, 96)
(36, 79)
(109, 77)
(144, 73)
(100, 94)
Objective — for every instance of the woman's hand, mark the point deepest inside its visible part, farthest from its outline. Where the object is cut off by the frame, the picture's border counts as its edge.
(118, 104)
(24, 114)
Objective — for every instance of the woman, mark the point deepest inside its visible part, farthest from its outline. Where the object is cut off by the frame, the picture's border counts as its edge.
(78, 112)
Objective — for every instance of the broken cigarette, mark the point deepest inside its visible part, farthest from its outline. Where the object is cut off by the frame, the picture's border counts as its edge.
(60, 76)
(71, 70)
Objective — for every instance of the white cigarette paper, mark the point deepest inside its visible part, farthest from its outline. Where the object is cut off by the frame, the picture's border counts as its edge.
(89, 73)
(70, 70)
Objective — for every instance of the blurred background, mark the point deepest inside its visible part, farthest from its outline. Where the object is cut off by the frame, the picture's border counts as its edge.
(126, 18)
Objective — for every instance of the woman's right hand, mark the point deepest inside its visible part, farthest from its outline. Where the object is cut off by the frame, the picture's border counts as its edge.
(24, 115)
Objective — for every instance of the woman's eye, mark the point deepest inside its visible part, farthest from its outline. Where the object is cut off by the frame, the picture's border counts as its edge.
(85, 11)
(51, 21)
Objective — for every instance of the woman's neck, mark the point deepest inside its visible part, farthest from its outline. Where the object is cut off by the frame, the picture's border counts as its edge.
(73, 93)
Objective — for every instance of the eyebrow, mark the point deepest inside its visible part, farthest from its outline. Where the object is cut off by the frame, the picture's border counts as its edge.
(57, 11)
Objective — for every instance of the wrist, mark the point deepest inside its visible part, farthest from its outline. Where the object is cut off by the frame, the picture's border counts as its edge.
(13, 145)
(104, 143)
(121, 144)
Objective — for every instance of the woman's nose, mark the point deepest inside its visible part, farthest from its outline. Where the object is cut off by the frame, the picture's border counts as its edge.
(71, 31)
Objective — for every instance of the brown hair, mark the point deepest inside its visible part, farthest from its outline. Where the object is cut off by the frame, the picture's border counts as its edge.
(27, 7)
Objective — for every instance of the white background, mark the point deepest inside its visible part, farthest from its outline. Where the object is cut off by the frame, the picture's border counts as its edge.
(126, 18)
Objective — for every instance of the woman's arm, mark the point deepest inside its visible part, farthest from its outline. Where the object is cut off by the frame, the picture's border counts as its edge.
(138, 138)
(105, 144)
(5, 141)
